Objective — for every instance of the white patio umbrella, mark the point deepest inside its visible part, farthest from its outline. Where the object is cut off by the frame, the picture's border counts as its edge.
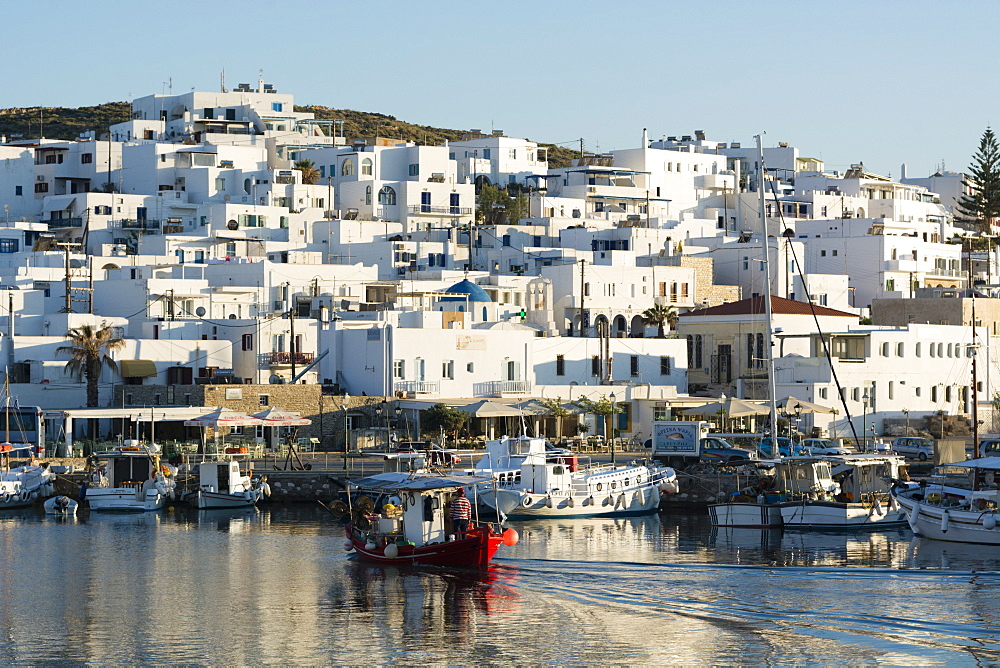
(221, 417)
(276, 417)
(490, 409)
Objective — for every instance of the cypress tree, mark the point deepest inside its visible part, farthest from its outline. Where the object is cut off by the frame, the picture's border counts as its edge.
(983, 183)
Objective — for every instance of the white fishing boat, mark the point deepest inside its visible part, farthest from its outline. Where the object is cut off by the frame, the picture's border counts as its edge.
(531, 481)
(961, 504)
(129, 479)
(22, 486)
(222, 484)
(61, 505)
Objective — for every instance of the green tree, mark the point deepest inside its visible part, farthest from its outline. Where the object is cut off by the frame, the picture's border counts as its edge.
(444, 418)
(495, 206)
(603, 408)
(89, 351)
(556, 409)
(310, 174)
(658, 315)
(983, 182)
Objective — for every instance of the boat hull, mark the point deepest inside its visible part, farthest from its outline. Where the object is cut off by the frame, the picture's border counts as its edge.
(60, 505)
(124, 500)
(837, 515)
(749, 515)
(215, 500)
(521, 504)
(963, 526)
(476, 551)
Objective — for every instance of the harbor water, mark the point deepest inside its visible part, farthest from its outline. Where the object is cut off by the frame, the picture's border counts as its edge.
(275, 586)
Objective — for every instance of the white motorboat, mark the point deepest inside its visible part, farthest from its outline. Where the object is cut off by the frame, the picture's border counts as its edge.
(21, 486)
(60, 505)
(965, 510)
(221, 484)
(538, 482)
(130, 479)
(833, 492)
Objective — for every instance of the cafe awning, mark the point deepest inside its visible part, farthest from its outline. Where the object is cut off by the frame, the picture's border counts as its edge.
(137, 368)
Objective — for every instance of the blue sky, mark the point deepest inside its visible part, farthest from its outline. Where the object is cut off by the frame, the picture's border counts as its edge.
(879, 82)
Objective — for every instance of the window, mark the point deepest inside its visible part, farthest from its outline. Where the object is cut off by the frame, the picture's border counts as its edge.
(399, 369)
(347, 168)
(277, 106)
(661, 413)
(890, 389)
(470, 367)
(86, 158)
(448, 370)
(264, 399)
(19, 190)
(41, 187)
(248, 342)
(934, 393)
(425, 202)
(414, 170)
(849, 348)
(916, 349)
(749, 351)
(560, 365)
(595, 366)
(386, 196)
(822, 253)
(486, 153)
(512, 154)
(900, 347)
(453, 202)
(885, 349)
(634, 366)
(366, 167)
(9, 245)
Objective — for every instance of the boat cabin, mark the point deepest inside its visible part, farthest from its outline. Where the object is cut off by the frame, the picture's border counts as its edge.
(805, 475)
(125, 468)
(221, 477)
(860, 476)
(510, 453)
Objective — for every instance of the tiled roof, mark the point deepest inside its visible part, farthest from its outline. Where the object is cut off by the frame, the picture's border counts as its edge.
(779, 306)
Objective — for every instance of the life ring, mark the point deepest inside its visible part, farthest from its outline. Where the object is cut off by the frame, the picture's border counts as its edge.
(599, 487)
(6, 497)
(24, 495)
(527, 501)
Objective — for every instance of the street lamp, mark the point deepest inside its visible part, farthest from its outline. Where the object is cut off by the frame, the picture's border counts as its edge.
(906, 414)
(347, 435)
(798, 418)
(378, 415)
(614, 412)
(399, 412)
(864, 422)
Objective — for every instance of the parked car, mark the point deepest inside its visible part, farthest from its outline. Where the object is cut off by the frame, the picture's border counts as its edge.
(989, 447)
(435, 454)
(823, 446)
(719, 450)
(786, 448)
(911, 446)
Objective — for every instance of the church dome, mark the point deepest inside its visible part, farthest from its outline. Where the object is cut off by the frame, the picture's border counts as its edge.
(466, 290)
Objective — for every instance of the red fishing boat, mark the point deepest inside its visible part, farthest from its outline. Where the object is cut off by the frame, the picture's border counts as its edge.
(407, 523)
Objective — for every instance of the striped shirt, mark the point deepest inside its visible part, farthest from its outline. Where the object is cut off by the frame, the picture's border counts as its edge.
(461, 509)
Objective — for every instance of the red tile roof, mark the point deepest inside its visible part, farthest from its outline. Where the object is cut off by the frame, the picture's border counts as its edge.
(779, 306)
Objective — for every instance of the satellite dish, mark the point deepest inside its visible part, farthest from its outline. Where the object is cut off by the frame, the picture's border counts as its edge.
(276, 380)
(232, 225)
(200, 311)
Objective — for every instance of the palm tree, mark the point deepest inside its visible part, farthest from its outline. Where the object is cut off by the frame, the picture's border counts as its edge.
(558, 411)
(310, 174)
(89, 351)
(658, 315)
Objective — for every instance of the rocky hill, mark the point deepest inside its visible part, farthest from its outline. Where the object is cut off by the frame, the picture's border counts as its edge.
(69, 123)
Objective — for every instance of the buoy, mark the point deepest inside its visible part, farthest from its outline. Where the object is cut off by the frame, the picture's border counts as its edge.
(638, 499)
(893, 504)
(391, 551)
(370, 546)
(878, 508)
(607, 501)
(668, 487)
(990, 522)
(549, 502)
(348, 546)
(620, 501)
(911, 519)
(944, 521)
(267, 489)
(510, 537)
(570, 502)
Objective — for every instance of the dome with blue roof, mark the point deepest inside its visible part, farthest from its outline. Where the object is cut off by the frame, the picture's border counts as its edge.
(468, 291)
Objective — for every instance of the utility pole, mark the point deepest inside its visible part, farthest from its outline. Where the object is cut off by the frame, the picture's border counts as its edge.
(68, 282)
(291, 346)
(583, 327)
(975, 385)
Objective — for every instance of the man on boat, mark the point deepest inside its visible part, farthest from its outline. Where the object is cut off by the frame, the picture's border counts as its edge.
(461, 512)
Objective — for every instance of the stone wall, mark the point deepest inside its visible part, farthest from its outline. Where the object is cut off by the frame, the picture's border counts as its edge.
(705, 290)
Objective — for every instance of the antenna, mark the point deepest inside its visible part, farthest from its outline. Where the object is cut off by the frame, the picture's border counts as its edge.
(222, 81)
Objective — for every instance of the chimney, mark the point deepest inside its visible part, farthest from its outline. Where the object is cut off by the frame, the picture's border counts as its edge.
(902, 171)
(645, 138)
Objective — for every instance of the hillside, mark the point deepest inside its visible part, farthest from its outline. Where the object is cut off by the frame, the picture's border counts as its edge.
(69, 122)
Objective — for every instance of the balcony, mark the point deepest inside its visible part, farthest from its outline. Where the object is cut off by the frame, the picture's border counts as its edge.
(427, 209)
(277, 359)
(496, 387)
(135, 224)
(418, 386)
(64, 223)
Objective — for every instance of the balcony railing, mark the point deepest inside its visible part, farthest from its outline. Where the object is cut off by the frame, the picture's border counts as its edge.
(441, 210)
(136, 224)
(287, 358)
(65, 222)
(501, 387)
(418, 386)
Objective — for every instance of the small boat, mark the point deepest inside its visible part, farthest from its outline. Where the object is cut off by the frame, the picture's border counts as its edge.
(537, 482)
(411, 526)
(961, 504)
(60, 505)
(826, 492)
(129, 479)
(221, 484)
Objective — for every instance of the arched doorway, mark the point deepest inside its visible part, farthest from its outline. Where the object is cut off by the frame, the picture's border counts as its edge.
(621, 327)
(638, 328)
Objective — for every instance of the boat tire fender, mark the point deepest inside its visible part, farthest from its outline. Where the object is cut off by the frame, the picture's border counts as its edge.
(527, 501)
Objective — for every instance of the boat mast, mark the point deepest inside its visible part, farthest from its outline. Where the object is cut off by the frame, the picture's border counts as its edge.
(769, 348)
(975, 381)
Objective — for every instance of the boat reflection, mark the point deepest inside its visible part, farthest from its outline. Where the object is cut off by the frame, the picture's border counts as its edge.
(228, 520)
(925, 553)
(592, 538)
